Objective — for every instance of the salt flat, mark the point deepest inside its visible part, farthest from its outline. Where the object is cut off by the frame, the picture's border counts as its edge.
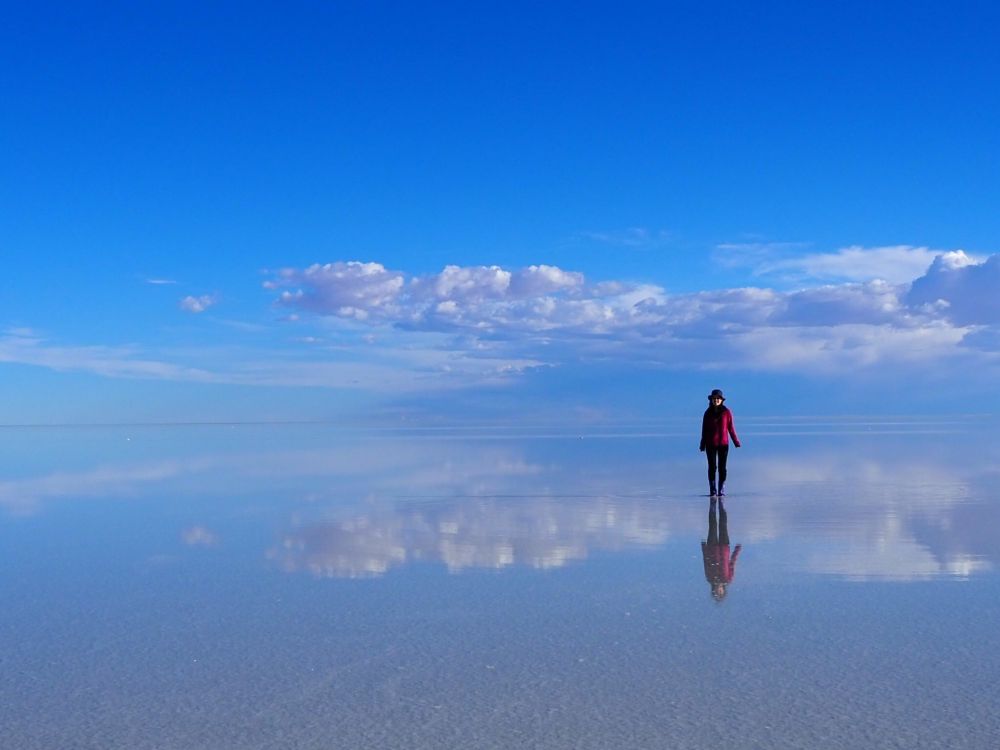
(309, 586)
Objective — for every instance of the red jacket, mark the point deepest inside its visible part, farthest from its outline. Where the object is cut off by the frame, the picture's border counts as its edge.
(719, 566)
(716, 427)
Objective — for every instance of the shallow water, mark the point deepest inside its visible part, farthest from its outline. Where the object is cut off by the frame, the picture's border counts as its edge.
(311, 587)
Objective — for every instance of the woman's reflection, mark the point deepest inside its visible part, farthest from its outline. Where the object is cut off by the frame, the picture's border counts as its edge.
(720, 566)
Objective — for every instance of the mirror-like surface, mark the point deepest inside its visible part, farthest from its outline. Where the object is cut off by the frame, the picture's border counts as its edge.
(304, 586)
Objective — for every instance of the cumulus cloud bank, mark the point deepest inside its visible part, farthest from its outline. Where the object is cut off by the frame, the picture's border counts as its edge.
(374, 328)
(485, 299)
(848, 324)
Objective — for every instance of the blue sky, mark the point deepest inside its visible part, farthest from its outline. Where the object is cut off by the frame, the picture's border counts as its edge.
(497, 212)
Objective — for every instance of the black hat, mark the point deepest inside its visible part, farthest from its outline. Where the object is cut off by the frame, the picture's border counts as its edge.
(716, 394)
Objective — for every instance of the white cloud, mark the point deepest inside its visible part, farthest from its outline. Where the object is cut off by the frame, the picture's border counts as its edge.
(966, 291)
(831, 327)
(469, 284)
(872, 302)
(536, 280)
(29, 348)
(708, 313)
(197, 304)
(841, 349)
(349, 290)
(896, 264)
(485, 300)
(422, 364)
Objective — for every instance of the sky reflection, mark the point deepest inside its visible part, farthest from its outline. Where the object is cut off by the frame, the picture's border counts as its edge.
(888, 507)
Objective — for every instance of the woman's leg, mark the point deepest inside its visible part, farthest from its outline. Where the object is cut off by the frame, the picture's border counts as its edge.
(711, 452)
(723, 456)
(713, 525)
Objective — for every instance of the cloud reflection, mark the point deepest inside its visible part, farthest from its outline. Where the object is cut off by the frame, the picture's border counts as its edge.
(875, 515)
(844, 511)
(474, 533)
(877, 506)
(199, 536)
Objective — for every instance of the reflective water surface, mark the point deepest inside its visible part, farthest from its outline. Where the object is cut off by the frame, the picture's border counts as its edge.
(308, 586)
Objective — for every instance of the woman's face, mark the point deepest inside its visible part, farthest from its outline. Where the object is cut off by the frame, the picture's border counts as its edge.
(716, 401)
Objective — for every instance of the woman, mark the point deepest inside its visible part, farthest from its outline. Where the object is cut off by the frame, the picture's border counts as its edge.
(716, 427)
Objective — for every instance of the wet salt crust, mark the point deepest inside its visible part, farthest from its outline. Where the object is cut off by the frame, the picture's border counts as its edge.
(205, 589)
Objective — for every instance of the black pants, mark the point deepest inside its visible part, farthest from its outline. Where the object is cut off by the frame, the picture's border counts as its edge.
(718, 530)
(717, 455)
